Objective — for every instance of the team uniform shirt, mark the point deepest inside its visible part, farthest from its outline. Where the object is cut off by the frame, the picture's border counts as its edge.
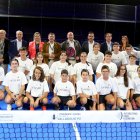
(105, 87)
(132, 71)
(1, 74)
(87, 88)
(37, 88)
(64, 89)
(57, 67)
(136, 85)
(119, 59)
(25, 65)
(14, 81)
(95, 59)
(112, 67)
(1, 77)
(134, 52)
(78, 67)
(44, 66)
(122, 89)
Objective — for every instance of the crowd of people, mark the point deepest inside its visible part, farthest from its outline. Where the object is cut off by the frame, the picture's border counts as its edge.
(95, 76)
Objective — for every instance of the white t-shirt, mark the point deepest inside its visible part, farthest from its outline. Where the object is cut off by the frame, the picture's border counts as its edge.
(136, 85)
(122, 89)
(132, 71)
(119, 59)
(112, 66)
(1, 74)
(87, 88)
(134, 52)
(78, 67)
(105, 87)
(64, 89)
(37, 88)
(57, 67)
(25, 65)
(95, 59)
(14, 81)
(44, 66)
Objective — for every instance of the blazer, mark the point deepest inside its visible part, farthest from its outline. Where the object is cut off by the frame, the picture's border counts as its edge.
(104, 47)
(45, 51)
(13, 48)
(6, 50)
(32, 49)
(77, 45)
(85, 46)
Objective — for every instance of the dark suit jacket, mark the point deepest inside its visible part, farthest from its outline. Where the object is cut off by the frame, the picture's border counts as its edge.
(6, 49)
(104, 47)
(77, 45)
(45, 51)
(85, 46)
(13, 48)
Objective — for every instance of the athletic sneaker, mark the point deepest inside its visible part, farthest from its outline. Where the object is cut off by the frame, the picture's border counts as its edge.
(20, 108)
(31, 108)
(83, 108)
(9, 107)
(44, 107)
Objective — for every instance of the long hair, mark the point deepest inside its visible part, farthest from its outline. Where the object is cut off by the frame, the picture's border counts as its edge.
(36, 61)
(42, 77)
(126, 82)
(86, 55)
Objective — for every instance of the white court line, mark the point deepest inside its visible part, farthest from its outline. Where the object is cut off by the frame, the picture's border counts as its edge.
(77, 135)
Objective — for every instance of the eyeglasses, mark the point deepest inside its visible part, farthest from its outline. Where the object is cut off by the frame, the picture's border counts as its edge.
(122, 69)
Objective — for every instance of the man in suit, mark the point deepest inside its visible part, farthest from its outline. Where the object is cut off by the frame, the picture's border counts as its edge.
(72, 48)
(87, 46)
(108, 44)
(51, 50)
(4, 47)
(16, 44)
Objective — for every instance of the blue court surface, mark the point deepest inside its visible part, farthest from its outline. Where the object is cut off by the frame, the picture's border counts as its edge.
(61, 125)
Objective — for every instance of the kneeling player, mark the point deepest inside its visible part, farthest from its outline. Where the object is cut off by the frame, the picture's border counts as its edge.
(107, 89)
(86, 92)
(64, 92)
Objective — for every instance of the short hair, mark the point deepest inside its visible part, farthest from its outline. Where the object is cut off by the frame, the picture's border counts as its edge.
(64, 71)
(128, 45)
(132, 55)
(22, 49)
(116, 43)
(107, 34)
(90, 32)
(3, 31)
(42, 77)
(138, 68)
(96, 44)
(51, 34)
(19, 31)
(105, 67)
(108, 53)
(84, 70)
(14, 59)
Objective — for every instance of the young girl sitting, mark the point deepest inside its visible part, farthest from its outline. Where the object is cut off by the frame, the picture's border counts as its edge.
(37, 90)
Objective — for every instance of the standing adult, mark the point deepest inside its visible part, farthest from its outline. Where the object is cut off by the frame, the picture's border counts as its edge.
(51, 50)
(4, 48)
(35, 46)
(72, 47)
(107, 45)
(87, 46)
(16, 44)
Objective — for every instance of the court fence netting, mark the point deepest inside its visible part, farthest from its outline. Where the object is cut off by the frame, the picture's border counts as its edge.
(69, 125)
